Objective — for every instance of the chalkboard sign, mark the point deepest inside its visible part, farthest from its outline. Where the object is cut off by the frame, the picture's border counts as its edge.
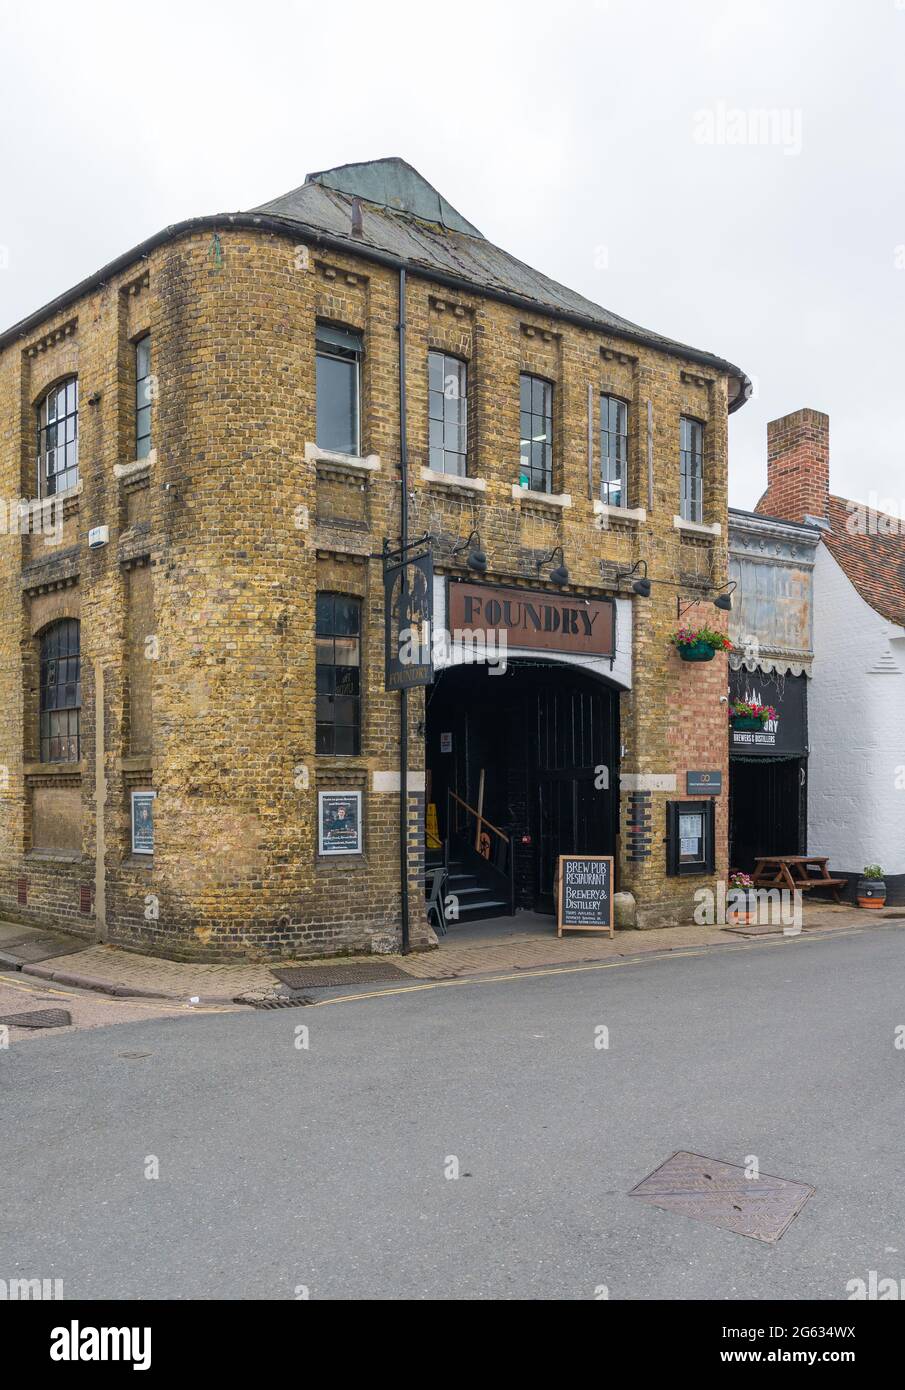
(584, 899)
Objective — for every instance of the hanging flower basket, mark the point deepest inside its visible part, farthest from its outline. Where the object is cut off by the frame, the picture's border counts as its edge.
(699, 643)
(751, 717)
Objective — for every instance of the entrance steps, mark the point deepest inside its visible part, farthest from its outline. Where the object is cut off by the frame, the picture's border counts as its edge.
(476, 901)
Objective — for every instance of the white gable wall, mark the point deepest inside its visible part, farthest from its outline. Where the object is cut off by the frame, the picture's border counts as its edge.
(856, 723)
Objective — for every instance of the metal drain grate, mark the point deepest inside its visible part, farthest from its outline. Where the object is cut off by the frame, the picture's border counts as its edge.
(277, 1002)
(355, 973)
(708, 1190)
(39, 1018)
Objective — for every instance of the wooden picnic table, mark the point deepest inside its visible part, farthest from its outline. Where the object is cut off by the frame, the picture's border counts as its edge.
(801, 871)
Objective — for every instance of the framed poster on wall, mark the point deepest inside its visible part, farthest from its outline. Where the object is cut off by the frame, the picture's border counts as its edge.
(143, 822)
(339, 823)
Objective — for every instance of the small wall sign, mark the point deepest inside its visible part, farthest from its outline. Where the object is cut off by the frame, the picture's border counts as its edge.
(584, 900)
(703, 783)
(339, 822)
(143, 822)
(446, 743)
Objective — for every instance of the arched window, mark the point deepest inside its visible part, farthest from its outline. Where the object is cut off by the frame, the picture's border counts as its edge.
(61, 692)
(58, 438)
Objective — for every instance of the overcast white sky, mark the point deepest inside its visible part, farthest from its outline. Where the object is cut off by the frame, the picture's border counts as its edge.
(570, 132)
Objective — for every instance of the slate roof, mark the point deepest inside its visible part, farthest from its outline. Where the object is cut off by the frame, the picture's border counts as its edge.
(874, 563)
(403, 216)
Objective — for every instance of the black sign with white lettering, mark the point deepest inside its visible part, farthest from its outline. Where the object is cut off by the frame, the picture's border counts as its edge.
(703, 783)
(784, 736)
(585, 893)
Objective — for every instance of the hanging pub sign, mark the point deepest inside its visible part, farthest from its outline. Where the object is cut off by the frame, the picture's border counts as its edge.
(584, 893)
(408, 594)
(538, 620)
(339, 822)
(782, 737)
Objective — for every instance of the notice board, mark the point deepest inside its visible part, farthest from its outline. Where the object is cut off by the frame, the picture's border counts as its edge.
(584, 899)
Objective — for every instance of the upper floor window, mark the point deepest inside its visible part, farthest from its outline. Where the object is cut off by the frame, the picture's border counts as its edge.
(536, 468)
(613, 451)
(339, 353)
(692, 469)
(58, 439)
(338, 637)
(448, 410)
(143, 397)
(61, 692)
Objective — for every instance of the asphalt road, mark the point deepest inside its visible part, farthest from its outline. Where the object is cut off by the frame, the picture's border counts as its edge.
(323, 1169)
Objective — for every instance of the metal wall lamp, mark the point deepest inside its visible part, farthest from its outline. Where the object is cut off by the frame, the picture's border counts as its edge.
(560, 575)
(642, 586)
(477, 560)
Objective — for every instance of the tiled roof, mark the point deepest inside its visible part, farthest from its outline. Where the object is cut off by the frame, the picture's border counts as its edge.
(874, 562)
(404, 216)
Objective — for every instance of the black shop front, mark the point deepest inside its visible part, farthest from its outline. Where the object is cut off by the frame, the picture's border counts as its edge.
(522, 745)
(768, 770)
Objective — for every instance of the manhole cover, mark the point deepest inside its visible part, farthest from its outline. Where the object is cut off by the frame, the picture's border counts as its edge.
(39, 1018)
(355, 973)
(708, 1190)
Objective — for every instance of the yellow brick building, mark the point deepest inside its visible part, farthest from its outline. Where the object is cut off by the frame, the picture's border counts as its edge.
(202, 456)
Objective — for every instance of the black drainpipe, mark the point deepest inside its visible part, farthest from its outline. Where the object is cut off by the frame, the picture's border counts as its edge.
(403, 693)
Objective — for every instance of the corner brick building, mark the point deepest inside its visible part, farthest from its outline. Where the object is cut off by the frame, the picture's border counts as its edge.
(192, 630)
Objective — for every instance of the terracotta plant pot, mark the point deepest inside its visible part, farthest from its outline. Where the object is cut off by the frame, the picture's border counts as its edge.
(871, 892)
(697, 651)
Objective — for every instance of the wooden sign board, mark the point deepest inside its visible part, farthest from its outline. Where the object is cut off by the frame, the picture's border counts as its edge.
(584, 898)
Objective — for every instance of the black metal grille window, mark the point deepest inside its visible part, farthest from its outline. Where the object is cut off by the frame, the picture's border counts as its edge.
(143, 397)
(61, 693)
(692, 468)
(613, 451)
(338, 636)
(338, 353)
(58, 439)
(536, 468)
(448, 410)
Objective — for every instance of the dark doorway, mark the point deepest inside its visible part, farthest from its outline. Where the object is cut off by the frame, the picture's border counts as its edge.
(767, 809)
(542, 742)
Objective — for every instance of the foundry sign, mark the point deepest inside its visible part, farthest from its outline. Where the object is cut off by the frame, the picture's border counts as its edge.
(534, 619)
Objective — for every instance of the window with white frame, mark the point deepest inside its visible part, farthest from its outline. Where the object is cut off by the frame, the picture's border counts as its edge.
(58, 438)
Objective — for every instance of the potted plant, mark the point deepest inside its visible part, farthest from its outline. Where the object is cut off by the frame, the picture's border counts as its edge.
(699, 643)
(735, 915)
(744, 714)
(871, 890)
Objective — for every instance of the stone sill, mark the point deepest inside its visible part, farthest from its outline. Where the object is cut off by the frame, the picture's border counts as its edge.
(697, 528)
(555, 500)
(138, 861)
(630, 516)
(127, 472)
(349, 464)
(55, 856)
(50, 770)
(136, 762)
(452, 482)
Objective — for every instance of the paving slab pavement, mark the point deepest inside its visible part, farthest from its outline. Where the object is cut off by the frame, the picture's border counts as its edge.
(524, 942)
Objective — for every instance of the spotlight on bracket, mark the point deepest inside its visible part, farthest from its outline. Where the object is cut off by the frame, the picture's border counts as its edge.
(560, 575)
(477, 559)
(724, 601)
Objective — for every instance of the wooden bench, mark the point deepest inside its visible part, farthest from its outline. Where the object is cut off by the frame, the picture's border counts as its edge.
(796, 871)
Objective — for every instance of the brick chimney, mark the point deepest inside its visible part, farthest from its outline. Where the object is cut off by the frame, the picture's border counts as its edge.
(798, 466)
